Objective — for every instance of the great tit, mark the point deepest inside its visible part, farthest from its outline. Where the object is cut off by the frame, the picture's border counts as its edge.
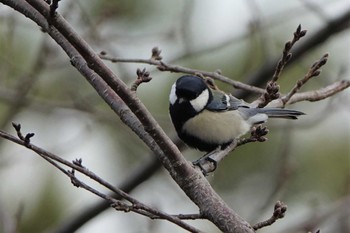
(207, 118)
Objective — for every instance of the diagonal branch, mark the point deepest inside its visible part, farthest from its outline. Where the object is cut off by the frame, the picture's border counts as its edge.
(135, 177)
(56, 161)
(191, 181)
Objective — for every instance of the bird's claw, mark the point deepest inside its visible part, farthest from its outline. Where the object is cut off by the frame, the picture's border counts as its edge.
(202, 161)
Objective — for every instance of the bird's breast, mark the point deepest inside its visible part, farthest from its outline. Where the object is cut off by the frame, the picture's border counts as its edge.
(216, 127)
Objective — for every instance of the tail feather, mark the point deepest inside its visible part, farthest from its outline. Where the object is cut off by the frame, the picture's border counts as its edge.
(281, 113)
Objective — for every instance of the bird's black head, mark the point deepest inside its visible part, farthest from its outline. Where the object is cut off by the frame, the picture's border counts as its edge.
(189, 96)
(191, 89)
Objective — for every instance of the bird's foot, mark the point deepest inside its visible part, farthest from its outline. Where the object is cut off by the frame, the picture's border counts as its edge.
(203, 164)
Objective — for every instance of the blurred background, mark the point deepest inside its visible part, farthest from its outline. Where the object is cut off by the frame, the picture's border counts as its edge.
(305, 163)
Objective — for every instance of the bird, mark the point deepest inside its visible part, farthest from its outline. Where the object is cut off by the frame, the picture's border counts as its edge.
(206, 118)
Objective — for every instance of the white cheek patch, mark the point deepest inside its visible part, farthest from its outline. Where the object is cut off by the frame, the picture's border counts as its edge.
(173, 96)
(201, 101)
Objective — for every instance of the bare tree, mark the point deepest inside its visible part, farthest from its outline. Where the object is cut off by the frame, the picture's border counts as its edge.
(124, 102)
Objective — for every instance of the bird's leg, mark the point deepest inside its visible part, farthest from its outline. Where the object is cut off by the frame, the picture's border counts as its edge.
(206, 158)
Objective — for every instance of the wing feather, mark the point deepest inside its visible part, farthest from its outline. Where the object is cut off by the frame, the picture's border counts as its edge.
(222, 102)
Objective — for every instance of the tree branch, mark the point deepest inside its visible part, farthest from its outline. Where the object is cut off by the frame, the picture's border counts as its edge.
(313, 72)
(191, 181)
(315, 95)
(162, 66)
(133, 113)
(135, 177)
(272, 89)
(134, 206)
(278, 213)
(331, 28)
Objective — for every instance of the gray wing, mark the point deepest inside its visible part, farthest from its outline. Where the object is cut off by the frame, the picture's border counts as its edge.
(223, 102)
(237, 103)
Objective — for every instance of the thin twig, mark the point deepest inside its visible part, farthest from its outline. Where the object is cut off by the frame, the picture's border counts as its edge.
(331, 28)
(91, 210)
(287, 55)
(186, 216)
(142, 77)
(162, 66)
(136, 176)
(272, 88)
(278, 213)
(314, 95)
(135, 205)
(314, 71)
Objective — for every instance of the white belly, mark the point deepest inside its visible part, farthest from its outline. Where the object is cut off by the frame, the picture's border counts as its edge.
(217, 127)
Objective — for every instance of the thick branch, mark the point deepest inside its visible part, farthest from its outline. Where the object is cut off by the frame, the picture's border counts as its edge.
(191, 181)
